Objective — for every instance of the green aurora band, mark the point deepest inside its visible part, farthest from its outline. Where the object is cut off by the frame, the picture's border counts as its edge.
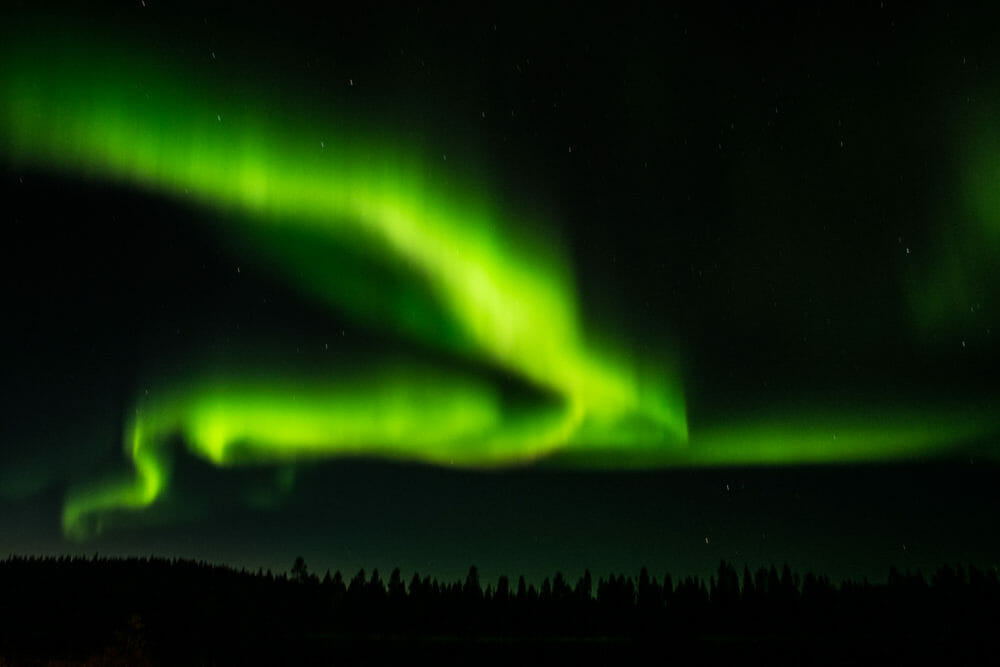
(461, 278)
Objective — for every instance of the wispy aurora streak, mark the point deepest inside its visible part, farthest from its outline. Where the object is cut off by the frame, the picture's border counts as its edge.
(472, 283)
(957, 290)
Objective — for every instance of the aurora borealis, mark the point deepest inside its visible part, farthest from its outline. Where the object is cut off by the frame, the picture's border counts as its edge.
(496, 299)
(510, 322)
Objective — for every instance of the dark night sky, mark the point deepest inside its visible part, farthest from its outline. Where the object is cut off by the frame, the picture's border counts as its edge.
(764, 191)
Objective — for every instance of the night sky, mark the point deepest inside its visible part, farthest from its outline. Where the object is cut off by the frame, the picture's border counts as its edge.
(530, 290)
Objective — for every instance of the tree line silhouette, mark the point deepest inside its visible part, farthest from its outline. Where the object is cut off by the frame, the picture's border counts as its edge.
(127, 610)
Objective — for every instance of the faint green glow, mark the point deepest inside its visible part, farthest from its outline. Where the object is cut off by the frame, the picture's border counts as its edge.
(799, 435)
(452, 272)
(954, 287)
(859, 436)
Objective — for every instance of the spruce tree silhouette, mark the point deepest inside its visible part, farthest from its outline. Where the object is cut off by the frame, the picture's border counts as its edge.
(584, 587)
(396, 588)
(503, 590)
(749, 590)
(545, 592)
(472, 590)
(300, 572)
(375, 589)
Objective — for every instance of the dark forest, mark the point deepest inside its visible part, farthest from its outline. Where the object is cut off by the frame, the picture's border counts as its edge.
(103, 611)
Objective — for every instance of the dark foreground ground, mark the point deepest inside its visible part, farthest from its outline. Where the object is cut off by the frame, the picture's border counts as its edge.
(670, 650)
(159, 612)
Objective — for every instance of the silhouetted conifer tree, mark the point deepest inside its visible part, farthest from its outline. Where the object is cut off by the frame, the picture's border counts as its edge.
(396, 589)
(560, 589)
(584, 587)
(725, 592)
(337, 584)
(503, 590)
(545, 593)
(748, 594)
(472, 590)
(376, 588)
(356, 589)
